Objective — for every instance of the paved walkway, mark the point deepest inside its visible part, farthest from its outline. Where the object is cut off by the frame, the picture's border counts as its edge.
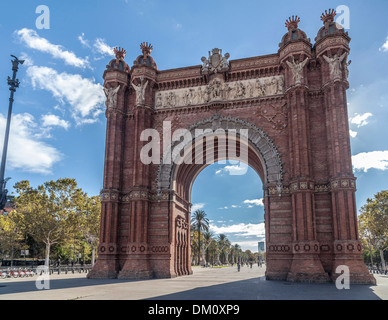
(204, 284)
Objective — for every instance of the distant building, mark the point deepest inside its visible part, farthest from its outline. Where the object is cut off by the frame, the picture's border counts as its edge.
(261, 246)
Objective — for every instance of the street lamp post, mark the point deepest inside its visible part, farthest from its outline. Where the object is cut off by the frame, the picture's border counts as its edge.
(13, 84)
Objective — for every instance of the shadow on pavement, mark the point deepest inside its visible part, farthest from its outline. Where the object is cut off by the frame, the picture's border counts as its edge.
(257, 288)
(261, 289)
(8, 286)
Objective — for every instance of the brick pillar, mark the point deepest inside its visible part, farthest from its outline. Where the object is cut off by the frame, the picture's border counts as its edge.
(306, 265)
(333, 44)
(347, 248)
(137, 262)
(107, 265)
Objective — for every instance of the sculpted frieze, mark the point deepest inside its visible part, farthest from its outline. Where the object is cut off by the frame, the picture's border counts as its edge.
(218, 90)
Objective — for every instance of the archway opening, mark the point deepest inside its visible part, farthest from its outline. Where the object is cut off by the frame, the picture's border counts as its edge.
(230, 197)
(215, 139)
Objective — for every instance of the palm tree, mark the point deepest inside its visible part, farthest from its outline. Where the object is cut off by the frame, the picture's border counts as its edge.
(207, 239)
(201, 223)
(227, 250)
(222, 242)
(233, 253)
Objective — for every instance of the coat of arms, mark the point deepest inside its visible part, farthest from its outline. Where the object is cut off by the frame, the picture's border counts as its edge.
(216, 61)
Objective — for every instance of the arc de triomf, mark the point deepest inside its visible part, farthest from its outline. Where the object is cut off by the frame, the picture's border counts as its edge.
(293, 106)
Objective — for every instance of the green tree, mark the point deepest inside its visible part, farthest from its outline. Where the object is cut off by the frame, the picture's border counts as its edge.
(11, 236)
(199, 223)
(373, 224)
(91, 223)
(50, 213)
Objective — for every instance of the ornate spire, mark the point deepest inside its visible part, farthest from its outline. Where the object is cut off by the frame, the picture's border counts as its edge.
(120, 53)
(292, 22)
(146, 49)
(328, 16)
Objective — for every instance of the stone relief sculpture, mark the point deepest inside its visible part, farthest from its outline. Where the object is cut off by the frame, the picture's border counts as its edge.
(260, 88)
(335, 64)
(215, 90)
(111, 96)
(240, 90)
(220, 90)
(280, 85)
(216, 61)
(171, 99)
(140, 91)
(201, 96)
(205, 64)
(297, 69)
(159, 100)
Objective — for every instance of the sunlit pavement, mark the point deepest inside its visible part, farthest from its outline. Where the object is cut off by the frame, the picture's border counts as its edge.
(205, 284)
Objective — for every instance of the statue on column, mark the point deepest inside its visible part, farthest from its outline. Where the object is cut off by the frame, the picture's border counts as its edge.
(335, 64)
(297, 69)
(347, 64)
(140, 91)
(111, 96)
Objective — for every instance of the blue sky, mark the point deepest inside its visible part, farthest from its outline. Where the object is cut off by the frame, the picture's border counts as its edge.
(58, 125)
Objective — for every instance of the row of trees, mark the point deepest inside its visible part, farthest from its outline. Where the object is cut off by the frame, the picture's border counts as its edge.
(57, 216)
(373, 228)
(206, 248)
(58, 219)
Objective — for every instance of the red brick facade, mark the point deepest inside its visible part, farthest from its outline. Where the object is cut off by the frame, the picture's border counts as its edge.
(298, 143)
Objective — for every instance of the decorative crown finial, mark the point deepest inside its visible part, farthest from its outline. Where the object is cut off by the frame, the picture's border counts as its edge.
(328, 16)
(120, 53)
(292, 22)
(146, 48)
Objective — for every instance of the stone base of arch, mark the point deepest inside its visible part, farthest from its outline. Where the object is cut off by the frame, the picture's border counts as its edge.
(348, 253)
(307, 269)
(306, 265)
(104, 268)
(136, 268)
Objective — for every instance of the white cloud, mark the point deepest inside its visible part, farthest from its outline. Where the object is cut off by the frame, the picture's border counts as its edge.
(197, 206)
(234, 170)
(352, 133)
(25, 150)
(51, 120)
(384, 47)
(256, 202)
(360, 119)
(83, 41)
(370, 160)
(85, 97)
(248, 204)
(32, 40)
(27, 59)
(241, 229)
(103, 48)
(249, 245)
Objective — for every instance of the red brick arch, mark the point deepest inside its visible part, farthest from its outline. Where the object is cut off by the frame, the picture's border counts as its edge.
(293, 106)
